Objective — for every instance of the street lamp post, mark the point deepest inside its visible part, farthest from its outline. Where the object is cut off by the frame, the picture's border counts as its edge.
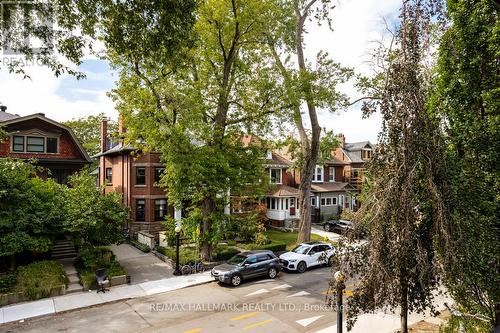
(177, 243)
(339, 279)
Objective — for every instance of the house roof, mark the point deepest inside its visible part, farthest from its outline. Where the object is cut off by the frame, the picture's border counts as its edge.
(278, 161)
(4, 116)
(350, 149)
(331, 187)
(335, 161)
(284, 191)
(119, 148)
(17, 119)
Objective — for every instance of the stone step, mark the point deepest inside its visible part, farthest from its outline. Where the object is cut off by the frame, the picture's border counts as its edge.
(64, 255)
(73, 278)
(65, 247)
(73, 288)
(64, 251)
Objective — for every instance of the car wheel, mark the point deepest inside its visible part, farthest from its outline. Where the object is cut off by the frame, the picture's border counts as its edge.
(331, 261)
(301, 267)
(327, 227)
(236, 280)
(272, 273)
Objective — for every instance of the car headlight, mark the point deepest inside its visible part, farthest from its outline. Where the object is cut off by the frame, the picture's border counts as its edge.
(292, 260)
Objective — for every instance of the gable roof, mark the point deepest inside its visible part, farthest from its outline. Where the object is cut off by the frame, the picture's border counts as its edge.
(278, 161)
(335, 161)
(42, 117)
(284, 191)
(352, 146)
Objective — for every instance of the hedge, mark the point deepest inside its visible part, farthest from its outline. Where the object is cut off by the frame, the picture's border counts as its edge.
(226, 253)
(7, 282)
(141, 246)
(90, 259)
(186, 254)
(274, 246)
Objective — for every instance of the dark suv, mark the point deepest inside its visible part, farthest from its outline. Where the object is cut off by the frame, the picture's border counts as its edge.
(343, 227)
(247, 265)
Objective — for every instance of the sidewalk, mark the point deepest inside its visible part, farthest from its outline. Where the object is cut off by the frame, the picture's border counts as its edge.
(84, 299)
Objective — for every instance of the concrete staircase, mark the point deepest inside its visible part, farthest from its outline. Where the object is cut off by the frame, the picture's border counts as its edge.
(64, 252)
(63, 249)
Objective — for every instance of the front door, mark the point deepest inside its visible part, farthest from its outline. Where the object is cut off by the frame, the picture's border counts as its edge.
(292, 206)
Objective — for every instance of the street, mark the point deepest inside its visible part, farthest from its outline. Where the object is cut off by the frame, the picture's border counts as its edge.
(291, 303)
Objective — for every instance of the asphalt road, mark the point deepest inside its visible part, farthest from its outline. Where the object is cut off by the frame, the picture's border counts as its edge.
(291, 303)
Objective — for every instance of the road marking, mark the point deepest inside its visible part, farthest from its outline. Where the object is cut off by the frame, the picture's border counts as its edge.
(194, 330)
(260, 291)
(282, 286)
(307, 321)
(251, 314)
(257, 324)
(300, 293)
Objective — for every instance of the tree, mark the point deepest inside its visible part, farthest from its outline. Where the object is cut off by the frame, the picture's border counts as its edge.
(31, 209)
(404, 210)
(195, 110)
(302, 84)
(88, 132)
(93, 218)
(69, 29)
(467, 97)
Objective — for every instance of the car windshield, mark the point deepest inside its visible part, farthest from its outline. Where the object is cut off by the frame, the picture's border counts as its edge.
(301, 249)
(237, 259)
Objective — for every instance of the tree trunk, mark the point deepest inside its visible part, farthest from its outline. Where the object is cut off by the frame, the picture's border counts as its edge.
(310, 149)
(404, 307)
(206, 246)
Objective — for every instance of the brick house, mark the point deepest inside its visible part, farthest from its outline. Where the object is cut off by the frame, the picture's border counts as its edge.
(356, 154)
(53, 145)
(135, 175)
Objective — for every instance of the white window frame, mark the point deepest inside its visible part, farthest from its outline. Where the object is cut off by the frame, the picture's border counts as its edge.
(331, 174)
(328, 201)
(280, 177)
(316, 175)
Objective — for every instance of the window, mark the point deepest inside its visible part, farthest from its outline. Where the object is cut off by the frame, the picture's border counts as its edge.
(140, 210)
(313, 201)
(140, 176)
(158, 174)
(318, 174)
(275, 176)
(35, 144)
(331, 174)
(251, 260)
(52, 145)
(18, 143)
(263, 257)
(109, 175)
(160, 209)
(366, 154)
(328, 201)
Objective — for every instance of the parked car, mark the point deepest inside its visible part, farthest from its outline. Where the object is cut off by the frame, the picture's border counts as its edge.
(342, 227)
(247, 265)
(308, 255)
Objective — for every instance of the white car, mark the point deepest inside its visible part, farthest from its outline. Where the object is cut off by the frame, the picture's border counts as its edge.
(307, 255)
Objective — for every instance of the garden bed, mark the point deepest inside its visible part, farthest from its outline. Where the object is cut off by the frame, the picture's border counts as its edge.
(91, 259)
(35, 281)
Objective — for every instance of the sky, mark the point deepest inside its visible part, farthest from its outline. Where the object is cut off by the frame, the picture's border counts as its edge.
(356, 24)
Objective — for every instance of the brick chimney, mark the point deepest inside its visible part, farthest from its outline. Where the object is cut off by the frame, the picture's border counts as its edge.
(104, 134)
(341, 140)
(3, 108)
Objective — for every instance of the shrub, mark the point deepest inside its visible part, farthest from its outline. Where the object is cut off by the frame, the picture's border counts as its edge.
(90, 259)
(274, 246)
(141, 246)
(225, 253)
(39, 278)
(7, 282)
(186, 254)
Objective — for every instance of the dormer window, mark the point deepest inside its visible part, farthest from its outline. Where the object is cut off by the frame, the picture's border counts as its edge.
(318, 174)
(34, 144)
(275, 175)
(366, 154)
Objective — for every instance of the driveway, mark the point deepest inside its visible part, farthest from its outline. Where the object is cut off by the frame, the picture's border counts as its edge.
(141, 267)
(317, 229)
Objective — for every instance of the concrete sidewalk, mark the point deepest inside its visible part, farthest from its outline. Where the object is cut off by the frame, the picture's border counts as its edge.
(84, 299)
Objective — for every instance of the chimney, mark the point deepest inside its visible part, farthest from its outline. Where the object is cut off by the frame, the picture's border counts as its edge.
(104, 134)
(341, 140)
(3, 108)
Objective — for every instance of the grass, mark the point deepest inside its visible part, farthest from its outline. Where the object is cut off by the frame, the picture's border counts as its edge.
(289, 238)
(38, 279)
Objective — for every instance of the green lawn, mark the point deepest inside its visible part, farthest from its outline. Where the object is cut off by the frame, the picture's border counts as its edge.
(289, 238)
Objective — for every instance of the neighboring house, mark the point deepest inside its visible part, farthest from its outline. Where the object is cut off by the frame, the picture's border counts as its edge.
(135, 175)
(53, 145)
(356, 154)
(281, 201)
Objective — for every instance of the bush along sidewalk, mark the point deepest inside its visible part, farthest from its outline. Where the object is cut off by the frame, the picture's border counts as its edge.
(93, 258)
(188, 254)
(143, 247)
(35, 281)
